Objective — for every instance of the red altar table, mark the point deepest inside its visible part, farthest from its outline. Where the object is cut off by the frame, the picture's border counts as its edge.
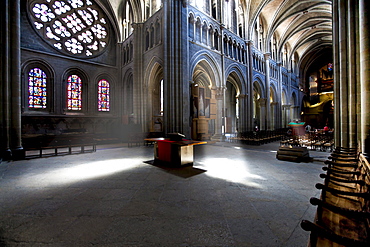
(177, 153)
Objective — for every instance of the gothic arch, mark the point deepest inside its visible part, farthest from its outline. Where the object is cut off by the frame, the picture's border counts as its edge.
(112, 87)
(128, 95)
(154, 81)
(233, 107)
(39, 62)
(293, 99)
(274, 101)
(136, 7)
(273, 93)
(258, 84)
(284, 97)
(239, 78)
(50, 73)
(85, 87)
(208, 63)
(154, 64)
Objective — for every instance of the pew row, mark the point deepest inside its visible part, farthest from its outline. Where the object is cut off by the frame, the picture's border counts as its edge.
(343, 209)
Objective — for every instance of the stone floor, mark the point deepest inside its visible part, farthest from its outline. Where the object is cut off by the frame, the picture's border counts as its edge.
(234, 195)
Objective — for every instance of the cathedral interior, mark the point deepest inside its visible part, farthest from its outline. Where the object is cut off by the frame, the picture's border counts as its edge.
(104, 72)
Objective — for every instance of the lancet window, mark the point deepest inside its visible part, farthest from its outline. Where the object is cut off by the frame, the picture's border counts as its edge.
(103, 95)
(74, 93)
(37, 89)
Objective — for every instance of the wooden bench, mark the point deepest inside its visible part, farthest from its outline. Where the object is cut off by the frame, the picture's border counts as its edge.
(343, 210)
(68, 143)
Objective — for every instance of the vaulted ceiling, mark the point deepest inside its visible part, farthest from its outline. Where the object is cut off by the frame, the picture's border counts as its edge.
(304, 26)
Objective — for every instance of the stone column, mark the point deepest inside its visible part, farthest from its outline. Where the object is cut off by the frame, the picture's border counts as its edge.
(267, 85)
(336, 50)
(5, 106)
(177, 94)
(343, 70)
(273, 115)
(249, 87)
(279, 107)
(364, 39)
(286, 115)
(15, 79)
(243, 113)
(211, 40)
(138, 77)
(263, 117)
(220, 117)
(352, 73)
(294, 112)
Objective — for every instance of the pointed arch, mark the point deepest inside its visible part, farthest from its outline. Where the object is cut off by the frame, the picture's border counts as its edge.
(154, 98)
(238, 77)
(293, 99)
(284, 96)
(258, 85)
(208, 64)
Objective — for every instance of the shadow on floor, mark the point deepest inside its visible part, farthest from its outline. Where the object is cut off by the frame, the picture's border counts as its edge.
(182, 171)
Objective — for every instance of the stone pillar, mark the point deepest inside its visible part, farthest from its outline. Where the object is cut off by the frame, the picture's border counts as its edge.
(175, 82)
(267, 85)
(138, 76)
(336, 50)
(279, 107)
(5, 106)
(273, 115)
(12, 80)
(211, 40)
(249, 87)
(220, 117)
(352, 73)
(194, 23)
(364, 39)
(263, 116)
(343, 73)
(15, 63)
(294, 112)
(286, 115)
(243, 113)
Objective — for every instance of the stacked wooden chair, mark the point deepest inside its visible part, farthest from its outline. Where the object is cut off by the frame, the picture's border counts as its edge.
(343, 210)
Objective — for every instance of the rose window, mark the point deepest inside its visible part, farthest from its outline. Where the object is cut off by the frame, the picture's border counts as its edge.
(75, 27)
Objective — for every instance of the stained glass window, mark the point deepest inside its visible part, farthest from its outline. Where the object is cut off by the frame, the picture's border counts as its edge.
(77, 27)
(330, 67)
(74, 93)
(103, 95)
(37, 89)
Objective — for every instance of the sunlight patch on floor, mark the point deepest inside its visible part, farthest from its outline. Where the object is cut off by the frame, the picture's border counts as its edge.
(80, 172)
(230, 170)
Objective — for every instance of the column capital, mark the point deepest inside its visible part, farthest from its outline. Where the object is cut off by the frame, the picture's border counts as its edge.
(220, 92)
(267, 55)
(242, 96)
(262, 101)
(137, 25)
(249, 42)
